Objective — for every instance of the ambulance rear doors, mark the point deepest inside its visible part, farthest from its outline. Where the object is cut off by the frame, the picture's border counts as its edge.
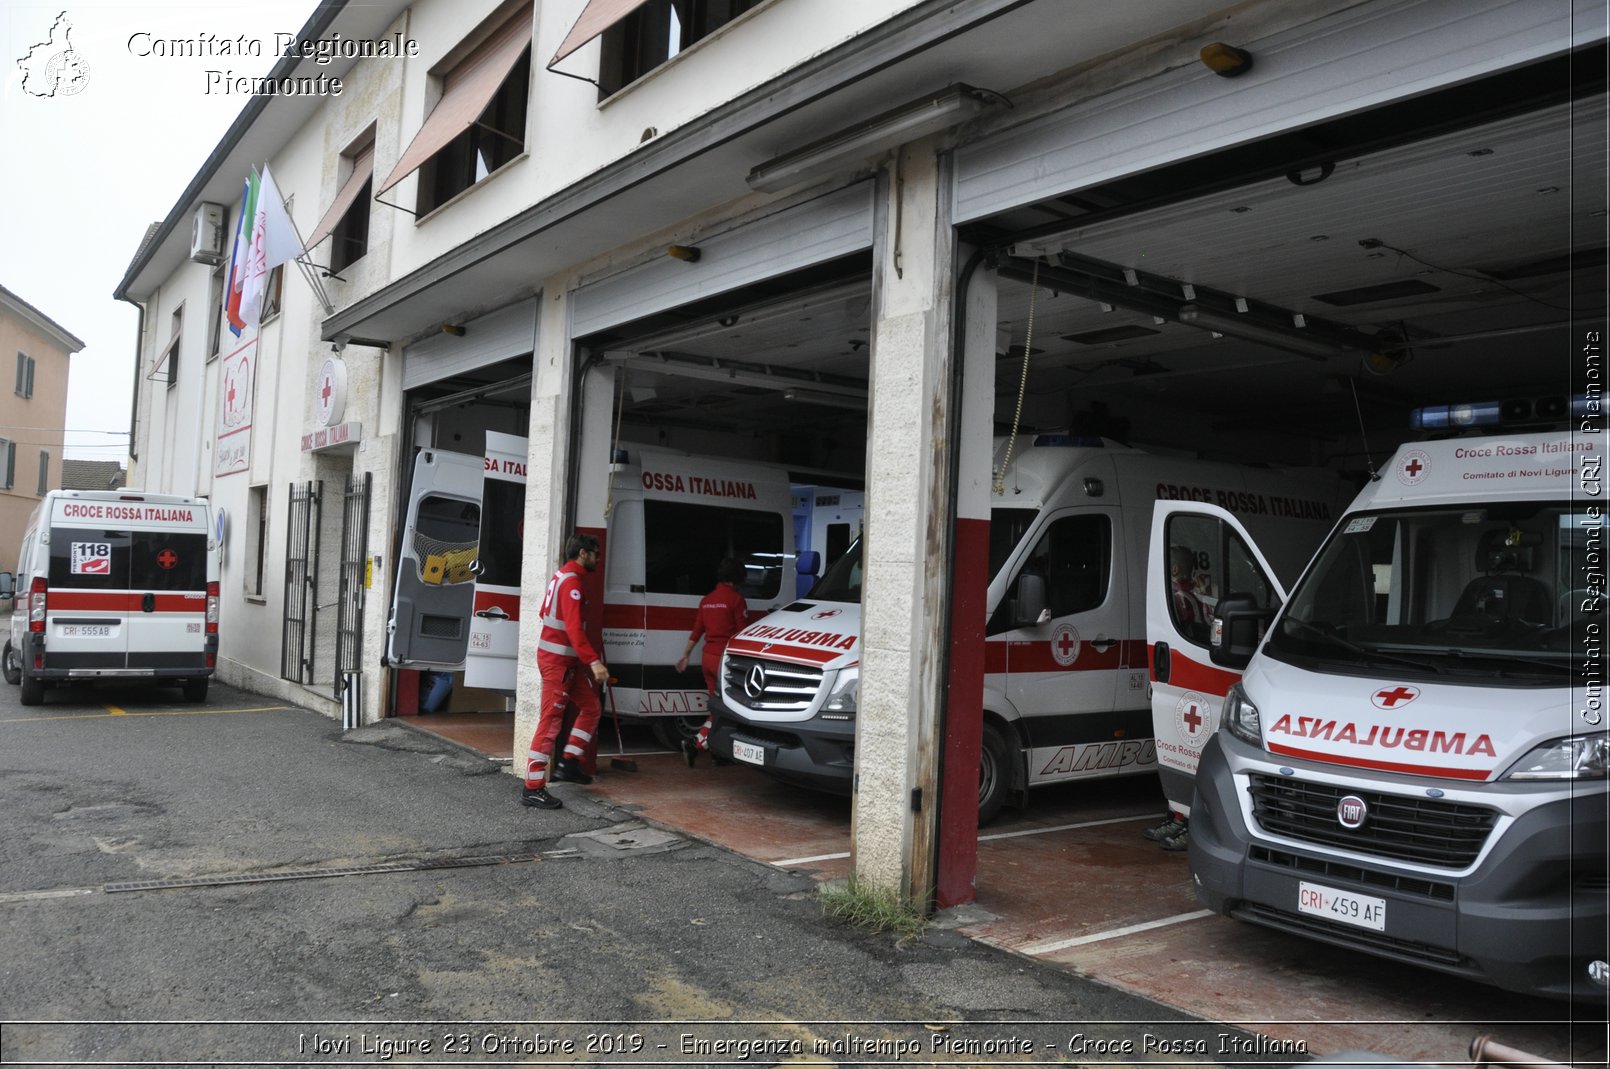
(127, 584)
(493, 657)
(435, 593)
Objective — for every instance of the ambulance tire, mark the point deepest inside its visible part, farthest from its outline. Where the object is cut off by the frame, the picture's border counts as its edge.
(33, 690)
(671, 730)
(10, 664)
(994, 773)
(195, 690)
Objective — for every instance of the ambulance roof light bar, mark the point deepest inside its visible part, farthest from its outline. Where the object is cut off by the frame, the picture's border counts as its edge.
(1501, 413)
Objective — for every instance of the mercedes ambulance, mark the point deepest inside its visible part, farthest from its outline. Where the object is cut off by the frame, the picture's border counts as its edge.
(1065, 689)
(672, 517)
(114, 584)
(1414, 763)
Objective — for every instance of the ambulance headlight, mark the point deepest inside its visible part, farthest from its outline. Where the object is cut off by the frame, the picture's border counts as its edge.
(1578, 757)
(840, 704)
(1241, 717)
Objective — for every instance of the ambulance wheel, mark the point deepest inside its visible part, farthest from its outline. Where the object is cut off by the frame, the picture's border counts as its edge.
(11, 664)
(671, 730)
(994, 773)
(33, 690)
(195, 690)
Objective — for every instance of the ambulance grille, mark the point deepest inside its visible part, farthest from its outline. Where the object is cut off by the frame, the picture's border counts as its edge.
(788, 688)
(1423, 831)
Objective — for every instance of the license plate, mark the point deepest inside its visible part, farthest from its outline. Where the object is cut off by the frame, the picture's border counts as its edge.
(748, 752)
(1345, 907)
(86, 631)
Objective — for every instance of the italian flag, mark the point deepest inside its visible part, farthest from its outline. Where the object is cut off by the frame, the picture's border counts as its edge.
(238, 256)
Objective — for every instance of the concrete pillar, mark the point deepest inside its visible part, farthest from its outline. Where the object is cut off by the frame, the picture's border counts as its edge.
(905, 594)
(547, 480)
(569, 436)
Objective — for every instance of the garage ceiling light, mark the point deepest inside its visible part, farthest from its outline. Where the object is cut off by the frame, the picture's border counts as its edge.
(1248, 329)
(854, 145)
(826, 400)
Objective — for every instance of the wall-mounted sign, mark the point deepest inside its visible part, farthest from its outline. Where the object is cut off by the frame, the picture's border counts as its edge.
(343, 437)
(330, 392)
(238, 372)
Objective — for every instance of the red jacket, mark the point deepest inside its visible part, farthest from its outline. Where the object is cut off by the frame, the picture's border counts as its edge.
(563, 611)
(722, 614)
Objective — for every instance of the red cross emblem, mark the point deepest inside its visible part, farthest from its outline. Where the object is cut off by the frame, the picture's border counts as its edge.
(1413, 467)
(1193, 719)
(1065, 643)
(328, 389)
(1390, 699)
(168, 559)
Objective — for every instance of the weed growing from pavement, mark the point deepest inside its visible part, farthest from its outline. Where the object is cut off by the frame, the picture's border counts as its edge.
(877, 908)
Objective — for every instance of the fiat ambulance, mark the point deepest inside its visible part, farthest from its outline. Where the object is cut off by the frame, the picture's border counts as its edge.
(672, 517)
(114, 584)
(1065, 689)
(1414, 763)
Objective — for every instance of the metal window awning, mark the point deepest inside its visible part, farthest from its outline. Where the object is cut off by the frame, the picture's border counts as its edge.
(596, 17)
(466, 91)
(363, 168)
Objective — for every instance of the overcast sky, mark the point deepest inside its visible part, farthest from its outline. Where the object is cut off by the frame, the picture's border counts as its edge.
(86, 173)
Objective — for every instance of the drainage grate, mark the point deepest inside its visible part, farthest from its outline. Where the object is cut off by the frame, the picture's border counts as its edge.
(324, 873)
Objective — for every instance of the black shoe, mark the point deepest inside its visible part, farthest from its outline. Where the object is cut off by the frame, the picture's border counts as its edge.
(1166, 830)
(540, 798)
(690, 752)
(567, 771)
(1177, 843)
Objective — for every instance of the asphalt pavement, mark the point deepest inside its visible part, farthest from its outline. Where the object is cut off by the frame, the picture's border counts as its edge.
(241, 881)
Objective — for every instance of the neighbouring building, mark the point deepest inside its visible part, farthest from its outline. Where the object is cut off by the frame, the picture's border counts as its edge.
(861, 237)
(33, 416)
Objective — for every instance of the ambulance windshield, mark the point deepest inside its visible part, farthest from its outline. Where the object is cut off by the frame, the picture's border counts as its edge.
(842, 580)
(1509, 589)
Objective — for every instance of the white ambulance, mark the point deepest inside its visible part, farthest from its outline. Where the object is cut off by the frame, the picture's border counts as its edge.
(672, 517)
(114, 584)
(1065, 688)
(1414, 764)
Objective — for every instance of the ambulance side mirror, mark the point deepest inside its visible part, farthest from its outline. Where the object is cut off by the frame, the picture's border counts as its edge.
(1238, 627)
(8, 586)
(1030, 606)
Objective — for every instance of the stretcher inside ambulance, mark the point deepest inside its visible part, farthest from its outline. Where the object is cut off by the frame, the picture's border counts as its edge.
(1065, 691)
(1414, 763)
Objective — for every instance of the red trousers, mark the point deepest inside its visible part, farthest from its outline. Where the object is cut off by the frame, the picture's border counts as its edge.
(563, 683)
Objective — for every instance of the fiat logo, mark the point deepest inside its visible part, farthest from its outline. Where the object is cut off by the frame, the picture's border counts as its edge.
(1351, 812)
(755, 681)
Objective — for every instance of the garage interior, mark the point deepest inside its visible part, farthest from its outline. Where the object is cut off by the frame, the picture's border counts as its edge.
(1294, 301)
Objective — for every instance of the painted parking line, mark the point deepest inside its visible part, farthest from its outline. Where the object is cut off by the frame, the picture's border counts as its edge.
(788, 862)
(113, 710)
(1050, 946)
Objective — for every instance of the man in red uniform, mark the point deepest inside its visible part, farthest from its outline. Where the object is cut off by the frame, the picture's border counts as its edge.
(722, 614)
(571, 672)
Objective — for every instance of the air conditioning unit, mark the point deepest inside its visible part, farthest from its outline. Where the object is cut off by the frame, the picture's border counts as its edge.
(207, 234)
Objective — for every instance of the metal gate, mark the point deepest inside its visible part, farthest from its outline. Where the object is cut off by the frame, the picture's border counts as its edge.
(301, 582)
(354, 559)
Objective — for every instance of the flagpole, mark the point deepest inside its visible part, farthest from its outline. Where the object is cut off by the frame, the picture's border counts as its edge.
(313, 280)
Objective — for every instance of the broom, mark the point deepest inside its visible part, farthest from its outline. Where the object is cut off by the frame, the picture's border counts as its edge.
(621, 763)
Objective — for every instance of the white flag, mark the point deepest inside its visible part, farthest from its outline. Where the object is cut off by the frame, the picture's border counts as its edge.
(273, 243)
